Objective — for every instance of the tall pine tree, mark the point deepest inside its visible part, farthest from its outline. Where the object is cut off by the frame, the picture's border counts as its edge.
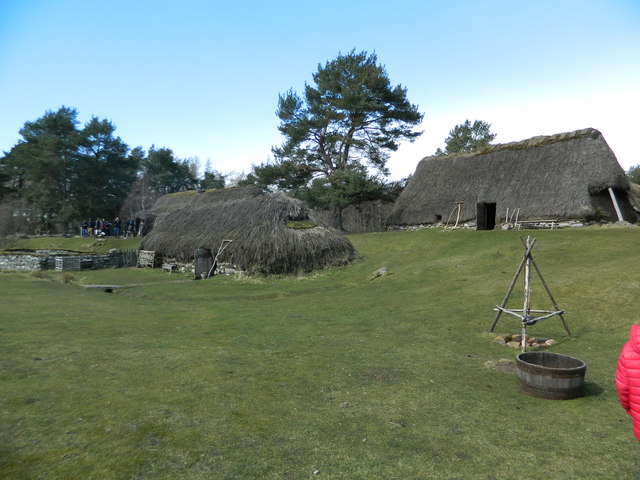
(339, 134)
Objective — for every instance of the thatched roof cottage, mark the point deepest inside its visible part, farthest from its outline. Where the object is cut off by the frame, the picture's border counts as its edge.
(271, 233)
(564, 176)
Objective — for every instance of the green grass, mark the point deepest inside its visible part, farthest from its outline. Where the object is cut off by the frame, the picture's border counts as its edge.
(77, 244)
(301, 224)
(334, 373)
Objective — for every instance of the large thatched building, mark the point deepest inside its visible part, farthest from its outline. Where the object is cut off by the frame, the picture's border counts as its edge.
(271, 233)
(566, 176)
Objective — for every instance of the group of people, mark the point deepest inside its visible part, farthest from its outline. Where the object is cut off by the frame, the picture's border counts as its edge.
(100, 227)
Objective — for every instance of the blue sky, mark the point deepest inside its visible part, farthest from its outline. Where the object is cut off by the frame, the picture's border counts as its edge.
(203, 77)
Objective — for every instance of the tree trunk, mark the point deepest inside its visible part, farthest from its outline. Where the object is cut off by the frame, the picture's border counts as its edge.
(337, 218)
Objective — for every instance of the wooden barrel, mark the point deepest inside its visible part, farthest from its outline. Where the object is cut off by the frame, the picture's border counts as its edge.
(203, 261)
(550, 375)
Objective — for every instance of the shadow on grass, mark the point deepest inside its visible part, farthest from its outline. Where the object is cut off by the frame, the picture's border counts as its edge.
(591, 389)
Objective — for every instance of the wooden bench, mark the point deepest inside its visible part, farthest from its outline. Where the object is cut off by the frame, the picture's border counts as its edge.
(169, 267)
(532, 223)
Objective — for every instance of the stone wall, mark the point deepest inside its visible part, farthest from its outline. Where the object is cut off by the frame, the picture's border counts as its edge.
(44, 261)
(25, 262)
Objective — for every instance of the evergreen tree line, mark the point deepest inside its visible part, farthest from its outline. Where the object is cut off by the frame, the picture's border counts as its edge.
(60, 174)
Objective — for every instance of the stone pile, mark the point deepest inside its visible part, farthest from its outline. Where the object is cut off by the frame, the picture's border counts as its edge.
(515, 341)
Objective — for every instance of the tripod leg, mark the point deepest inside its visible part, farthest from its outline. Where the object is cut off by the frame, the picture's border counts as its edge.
(553, 300)
(513, 283)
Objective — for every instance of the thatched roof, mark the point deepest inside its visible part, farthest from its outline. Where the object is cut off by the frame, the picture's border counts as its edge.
(564, 176)
(194, 198)
(634, 196)
(271, 233)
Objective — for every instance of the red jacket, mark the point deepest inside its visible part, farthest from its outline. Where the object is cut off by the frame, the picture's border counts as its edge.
(628, 378)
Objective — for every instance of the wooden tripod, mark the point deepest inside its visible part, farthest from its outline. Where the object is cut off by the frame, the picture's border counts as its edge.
(525, 314)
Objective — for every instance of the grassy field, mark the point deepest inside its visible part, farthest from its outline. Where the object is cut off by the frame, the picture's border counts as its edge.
(78, 244)
(331, 376)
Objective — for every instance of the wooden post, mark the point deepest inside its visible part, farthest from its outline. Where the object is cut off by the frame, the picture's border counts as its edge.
(525, 317)
(513, 283)
(456, 208)
(458, 215)
(553, 300)
(527, 295)
(615, 204)
(221, 248)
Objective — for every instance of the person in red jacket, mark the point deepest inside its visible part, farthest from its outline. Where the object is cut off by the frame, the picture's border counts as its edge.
(628, 378)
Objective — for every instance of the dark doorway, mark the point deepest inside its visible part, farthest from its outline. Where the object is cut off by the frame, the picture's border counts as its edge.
(486, 216)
